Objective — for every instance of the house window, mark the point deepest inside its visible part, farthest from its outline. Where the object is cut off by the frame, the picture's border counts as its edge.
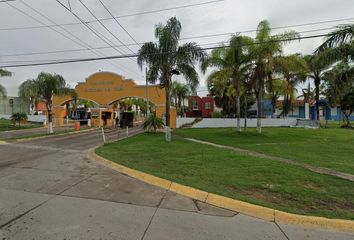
(207, 105)
(195, 105)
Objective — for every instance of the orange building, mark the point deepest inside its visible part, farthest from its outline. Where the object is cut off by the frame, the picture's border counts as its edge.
(106, 88)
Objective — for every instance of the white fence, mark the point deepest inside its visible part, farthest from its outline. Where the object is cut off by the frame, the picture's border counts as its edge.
(31, 118)
(231, 122)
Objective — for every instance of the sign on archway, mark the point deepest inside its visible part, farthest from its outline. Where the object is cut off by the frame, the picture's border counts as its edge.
(105, 88)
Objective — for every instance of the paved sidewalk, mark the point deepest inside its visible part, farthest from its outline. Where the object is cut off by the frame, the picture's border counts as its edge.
(49, 189)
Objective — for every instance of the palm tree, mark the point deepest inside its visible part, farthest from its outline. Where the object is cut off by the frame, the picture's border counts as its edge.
(292, 69)
(317, 67)
(339, 88)
(179, 92)
(49, 85)
(19, 118)
(234, 62)
(28, 91)
(263, 50)
(166, 58)
(4, 73)
(220, 86)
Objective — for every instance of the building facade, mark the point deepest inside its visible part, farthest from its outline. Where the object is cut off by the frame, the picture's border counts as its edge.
(200, 106)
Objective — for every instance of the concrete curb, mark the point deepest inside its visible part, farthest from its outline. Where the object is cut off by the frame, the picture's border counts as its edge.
(49, 136)
(253, 210)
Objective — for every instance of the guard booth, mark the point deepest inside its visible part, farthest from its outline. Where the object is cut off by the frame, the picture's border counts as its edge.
(102, 117)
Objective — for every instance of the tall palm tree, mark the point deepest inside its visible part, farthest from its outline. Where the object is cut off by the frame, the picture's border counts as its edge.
(317, 67)
(264, 48)
(167, 58)
(4, 73)
(49, 85)
(179, 92)
(292, 69)
(234, 62)
(28, 92)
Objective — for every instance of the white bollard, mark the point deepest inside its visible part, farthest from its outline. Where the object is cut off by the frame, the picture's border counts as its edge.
(103, 136)
(127, 131)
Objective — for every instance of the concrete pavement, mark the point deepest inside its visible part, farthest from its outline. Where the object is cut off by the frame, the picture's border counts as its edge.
(49, 189)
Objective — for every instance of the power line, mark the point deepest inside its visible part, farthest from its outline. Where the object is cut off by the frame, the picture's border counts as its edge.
(77, 41)
(133, 44)
(118, 22)
(88, 26)
(121, 16)
(104, 26)
(136, 55)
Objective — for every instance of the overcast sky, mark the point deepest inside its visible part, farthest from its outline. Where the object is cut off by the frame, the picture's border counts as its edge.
(219, 17)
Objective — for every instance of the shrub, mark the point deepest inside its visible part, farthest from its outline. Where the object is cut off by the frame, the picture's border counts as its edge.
(19, 118)
(153, 122)
(216, 115)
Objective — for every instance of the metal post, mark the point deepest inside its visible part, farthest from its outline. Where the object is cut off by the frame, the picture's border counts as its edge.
(103, 136)
(127, 131)
(147, 94)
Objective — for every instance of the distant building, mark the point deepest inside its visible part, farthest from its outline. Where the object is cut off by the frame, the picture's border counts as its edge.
(9, 105)
(200, 106)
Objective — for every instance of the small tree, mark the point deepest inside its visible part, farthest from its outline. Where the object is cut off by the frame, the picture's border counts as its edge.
(19, 118)
(153, 122)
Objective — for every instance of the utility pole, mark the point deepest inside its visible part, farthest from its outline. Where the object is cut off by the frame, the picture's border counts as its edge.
(146, 93)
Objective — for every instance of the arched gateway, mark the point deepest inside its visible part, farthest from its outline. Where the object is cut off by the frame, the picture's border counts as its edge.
(105, 88)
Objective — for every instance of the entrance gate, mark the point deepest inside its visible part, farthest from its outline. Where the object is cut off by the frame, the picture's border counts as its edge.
(105, 88)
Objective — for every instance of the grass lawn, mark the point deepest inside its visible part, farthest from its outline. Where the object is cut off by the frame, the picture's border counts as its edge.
(331, 147)
(6, 125)
(264, 182)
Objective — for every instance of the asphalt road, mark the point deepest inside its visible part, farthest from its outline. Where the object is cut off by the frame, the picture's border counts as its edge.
(49, 189)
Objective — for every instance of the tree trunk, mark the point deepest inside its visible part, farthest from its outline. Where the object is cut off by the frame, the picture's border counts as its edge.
(259, 110)
(238, 107)
(245, 114)
(317, 97)
(50, 121)
(238, 113)
(167, 114)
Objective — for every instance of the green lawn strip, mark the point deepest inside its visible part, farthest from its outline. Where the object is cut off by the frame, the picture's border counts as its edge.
(325, 147)
(38, 135)
(264, 182)
(7, 125)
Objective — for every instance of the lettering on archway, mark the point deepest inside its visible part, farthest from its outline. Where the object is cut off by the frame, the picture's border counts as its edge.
(104, 88)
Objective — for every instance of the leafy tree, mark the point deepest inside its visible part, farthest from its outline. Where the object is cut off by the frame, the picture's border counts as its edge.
(19, 118)
(179, 93)
(4, 73)
(339, 88)
(317, 67)
(232, 63)
(293, 70)
(49, 85)
(2, 91)
(167, 58)
(153, 122)
(28, 92)
(263, 50)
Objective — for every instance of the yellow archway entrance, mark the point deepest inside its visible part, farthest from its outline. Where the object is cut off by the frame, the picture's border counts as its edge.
(105, 88)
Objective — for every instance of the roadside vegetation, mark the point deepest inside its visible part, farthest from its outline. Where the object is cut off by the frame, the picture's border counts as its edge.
(260, 181)
(7, 125)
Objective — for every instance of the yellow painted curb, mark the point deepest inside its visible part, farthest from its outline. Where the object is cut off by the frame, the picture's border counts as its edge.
(253, 210)
(189, 192)
(241, 207)
(156, 181)
(311, 221)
